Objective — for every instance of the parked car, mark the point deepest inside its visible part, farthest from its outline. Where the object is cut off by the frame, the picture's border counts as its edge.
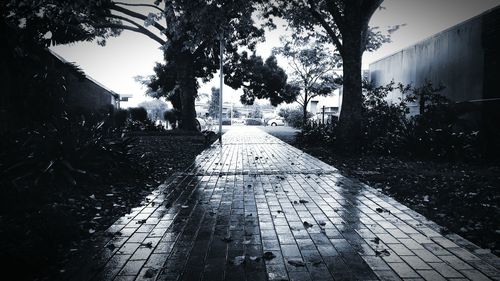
(278, 121)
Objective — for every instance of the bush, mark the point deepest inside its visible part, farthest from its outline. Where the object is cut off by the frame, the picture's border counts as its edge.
(437, 132)
(253, 122)
(138, 114)
(121, 117)
(293, 116)
(61, 153)
(318, 133)
(172, 116)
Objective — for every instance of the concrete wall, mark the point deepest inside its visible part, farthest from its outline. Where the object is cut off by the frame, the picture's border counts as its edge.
(454, 57)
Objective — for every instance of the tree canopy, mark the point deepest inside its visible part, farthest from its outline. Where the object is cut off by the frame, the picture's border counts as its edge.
(343, 23)
(259, 79)
(188, 31)
(312, 67)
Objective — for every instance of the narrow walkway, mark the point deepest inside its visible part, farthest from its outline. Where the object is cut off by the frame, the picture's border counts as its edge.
(259, 209)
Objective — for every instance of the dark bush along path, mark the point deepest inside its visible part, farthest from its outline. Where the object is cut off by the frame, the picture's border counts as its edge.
(462, 197)
(42, 234)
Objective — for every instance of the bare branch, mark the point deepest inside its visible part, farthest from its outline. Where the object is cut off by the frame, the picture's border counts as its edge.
(140, 16)
(326, 26)
(135, 29)
(143, 30)
(140, 5)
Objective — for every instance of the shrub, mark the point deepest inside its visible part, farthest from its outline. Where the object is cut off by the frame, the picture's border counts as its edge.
(318, 133)
(253, 122)
(437, 132)
(121, 117)
(61, 153)
(172, 116)
(138, 114)
(293, 116)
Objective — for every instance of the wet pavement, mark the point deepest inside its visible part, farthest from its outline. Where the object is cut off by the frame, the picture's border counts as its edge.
(256, 208)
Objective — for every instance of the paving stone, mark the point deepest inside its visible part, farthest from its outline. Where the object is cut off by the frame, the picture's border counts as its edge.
(254, 194)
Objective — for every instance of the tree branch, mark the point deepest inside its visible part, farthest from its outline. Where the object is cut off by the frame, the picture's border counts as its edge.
(200, 48)
(140, 5)
(337, 17)
(135, 29)
(140, 16)
(326, 26)
(144, 30)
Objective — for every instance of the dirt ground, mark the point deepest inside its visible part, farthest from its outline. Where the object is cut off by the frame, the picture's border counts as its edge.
(38, 243)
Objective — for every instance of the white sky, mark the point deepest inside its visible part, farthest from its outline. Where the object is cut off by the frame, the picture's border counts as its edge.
(132, 54)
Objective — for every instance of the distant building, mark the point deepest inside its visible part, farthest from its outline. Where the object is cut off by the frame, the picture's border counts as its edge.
(326, 108)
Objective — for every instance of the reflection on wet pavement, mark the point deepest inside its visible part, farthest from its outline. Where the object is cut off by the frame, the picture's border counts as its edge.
(256, 208)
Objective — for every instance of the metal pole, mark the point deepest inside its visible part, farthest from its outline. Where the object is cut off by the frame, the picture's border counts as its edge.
(221, 86)
(323, 114)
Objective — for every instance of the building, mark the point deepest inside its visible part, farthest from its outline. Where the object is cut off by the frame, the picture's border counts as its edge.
(84, 92)
(464, 58)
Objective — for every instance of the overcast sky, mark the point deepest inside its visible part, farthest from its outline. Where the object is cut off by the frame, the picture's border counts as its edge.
(132, 54)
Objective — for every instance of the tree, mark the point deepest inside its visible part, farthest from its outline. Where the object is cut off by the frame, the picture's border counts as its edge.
(345, 24)
(213, 106)
(193, 30)
(312, 69)
(189, 36)
(259, 79)
(155, 109)
(256, 112)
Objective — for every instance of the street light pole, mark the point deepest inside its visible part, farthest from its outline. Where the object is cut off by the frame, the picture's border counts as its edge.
(220, 90)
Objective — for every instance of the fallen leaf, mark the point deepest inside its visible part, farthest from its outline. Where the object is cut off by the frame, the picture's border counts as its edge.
(150, 272)
(296, 263)
(307, 225)
(268, 256)
(382, 253)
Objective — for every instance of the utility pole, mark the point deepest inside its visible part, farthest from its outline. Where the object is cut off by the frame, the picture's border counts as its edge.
(221, 86)
(323, 115)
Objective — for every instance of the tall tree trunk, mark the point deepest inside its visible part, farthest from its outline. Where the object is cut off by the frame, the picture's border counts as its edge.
(187, 87)
(350, 116)
(304, 110)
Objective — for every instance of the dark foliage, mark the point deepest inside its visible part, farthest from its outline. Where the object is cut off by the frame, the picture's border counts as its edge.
(120, 118)
(253, 121)
(294, 117)
(138, 114)
(59, 154)
(438, 132)
(172, 116)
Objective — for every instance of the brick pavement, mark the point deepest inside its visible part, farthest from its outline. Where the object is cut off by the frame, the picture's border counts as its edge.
(256, 208)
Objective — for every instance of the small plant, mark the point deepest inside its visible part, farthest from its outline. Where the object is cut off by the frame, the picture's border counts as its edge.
(172, 117)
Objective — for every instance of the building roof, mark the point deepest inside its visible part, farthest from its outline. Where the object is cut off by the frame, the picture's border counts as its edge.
(82, 73)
